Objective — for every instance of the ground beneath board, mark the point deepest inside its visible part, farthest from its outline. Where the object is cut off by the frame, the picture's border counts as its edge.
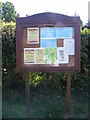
(48, 103)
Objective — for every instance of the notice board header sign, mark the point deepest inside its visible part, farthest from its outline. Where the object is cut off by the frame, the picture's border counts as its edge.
(48, 42)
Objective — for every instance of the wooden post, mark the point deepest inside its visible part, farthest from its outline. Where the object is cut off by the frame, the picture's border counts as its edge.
(68, 92)
(27, 93)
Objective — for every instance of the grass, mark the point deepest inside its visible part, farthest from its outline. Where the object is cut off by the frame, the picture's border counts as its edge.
(43, 104)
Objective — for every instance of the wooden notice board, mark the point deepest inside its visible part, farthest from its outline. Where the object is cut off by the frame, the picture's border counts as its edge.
(48, 42)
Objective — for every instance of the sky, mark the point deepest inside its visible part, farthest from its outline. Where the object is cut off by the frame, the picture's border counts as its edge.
(66, 7)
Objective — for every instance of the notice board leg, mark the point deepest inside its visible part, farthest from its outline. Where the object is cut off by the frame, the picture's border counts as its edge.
(68, 92)
(27, 93)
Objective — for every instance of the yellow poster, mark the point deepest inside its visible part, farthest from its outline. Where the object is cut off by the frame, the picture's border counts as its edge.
(29, 56)
(40, 56)
(33, 35)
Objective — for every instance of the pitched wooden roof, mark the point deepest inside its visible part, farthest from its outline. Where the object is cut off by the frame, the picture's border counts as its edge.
(49, 18)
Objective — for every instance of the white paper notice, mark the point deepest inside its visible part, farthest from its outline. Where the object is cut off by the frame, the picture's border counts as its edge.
(62, 57)
(69, 46)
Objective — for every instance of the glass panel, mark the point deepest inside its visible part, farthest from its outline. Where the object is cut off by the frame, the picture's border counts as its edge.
(48, 32)
(64, 32)
(50, 43)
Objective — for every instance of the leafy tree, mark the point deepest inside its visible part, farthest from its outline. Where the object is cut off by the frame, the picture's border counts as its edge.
(0, 8)
(8, 12)
(10, 77)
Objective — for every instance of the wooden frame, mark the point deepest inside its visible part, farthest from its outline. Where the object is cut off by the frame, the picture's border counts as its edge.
(45, 20)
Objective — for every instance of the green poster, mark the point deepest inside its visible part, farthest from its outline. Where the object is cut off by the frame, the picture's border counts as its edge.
(51, 56)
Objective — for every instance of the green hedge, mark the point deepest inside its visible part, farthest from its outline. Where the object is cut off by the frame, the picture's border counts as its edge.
(12, 79)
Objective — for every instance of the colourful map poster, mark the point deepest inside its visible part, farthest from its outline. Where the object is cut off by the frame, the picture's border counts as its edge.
(40, 56)
(51, 56)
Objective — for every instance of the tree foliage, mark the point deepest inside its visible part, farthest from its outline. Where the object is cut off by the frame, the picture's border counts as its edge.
(10, 77)
(8, 45)
(8, 12)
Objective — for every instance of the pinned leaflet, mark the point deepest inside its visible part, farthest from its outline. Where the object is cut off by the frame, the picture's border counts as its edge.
(69, 46)
(62, 57)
